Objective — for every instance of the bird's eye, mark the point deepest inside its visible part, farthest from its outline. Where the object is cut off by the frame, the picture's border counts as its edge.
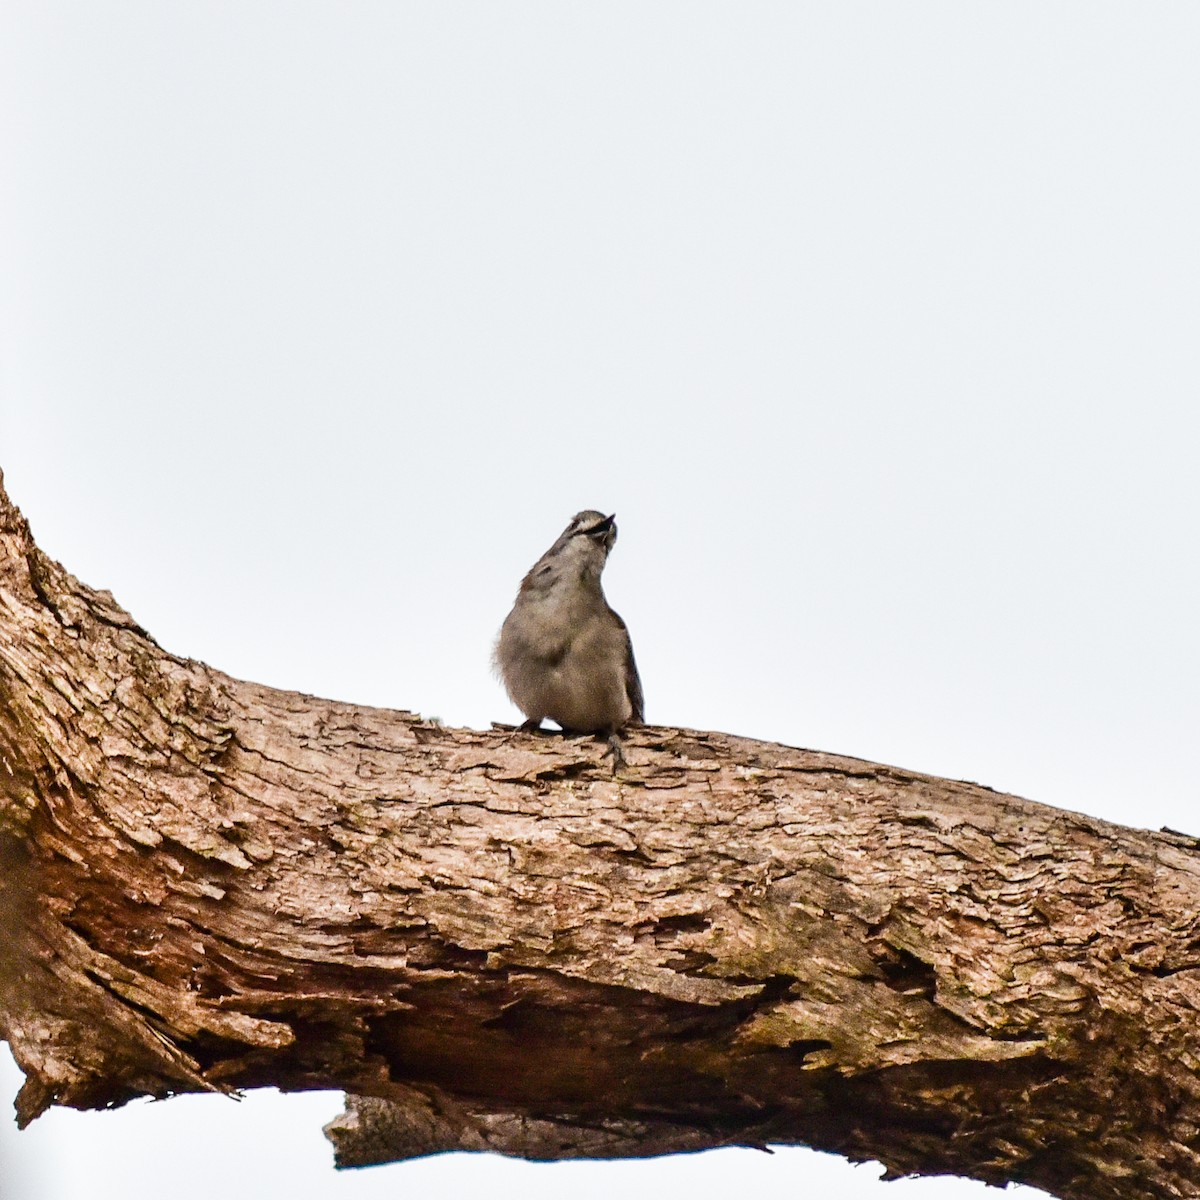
(600, 530)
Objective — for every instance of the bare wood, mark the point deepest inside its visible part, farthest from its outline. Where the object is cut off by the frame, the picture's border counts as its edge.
(493, 944)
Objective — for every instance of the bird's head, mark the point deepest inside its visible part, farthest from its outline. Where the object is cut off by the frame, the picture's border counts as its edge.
(593, 526)
(580, 551)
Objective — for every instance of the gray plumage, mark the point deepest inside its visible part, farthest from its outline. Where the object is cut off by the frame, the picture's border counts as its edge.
(563, 654)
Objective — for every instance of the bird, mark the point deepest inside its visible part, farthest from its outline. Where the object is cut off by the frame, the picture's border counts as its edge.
(563, 654)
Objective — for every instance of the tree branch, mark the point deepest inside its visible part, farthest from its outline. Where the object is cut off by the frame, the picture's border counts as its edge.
(489, 942)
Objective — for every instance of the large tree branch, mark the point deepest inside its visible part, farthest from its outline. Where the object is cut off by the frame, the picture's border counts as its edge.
(493, 944)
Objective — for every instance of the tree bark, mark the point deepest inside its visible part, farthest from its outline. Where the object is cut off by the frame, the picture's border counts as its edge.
(491, 943)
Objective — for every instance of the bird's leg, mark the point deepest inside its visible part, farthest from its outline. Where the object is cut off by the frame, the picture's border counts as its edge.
(530, 726)
(617, 752)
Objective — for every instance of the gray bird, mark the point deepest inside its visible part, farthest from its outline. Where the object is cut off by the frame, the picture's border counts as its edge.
(562, 653)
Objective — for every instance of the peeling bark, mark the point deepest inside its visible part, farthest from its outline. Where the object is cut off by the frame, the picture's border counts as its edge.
(492, 944)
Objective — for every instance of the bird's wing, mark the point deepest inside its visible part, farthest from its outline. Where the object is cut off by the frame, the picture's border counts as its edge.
(633, 681)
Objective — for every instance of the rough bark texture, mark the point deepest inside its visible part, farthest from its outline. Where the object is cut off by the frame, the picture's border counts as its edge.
(494, 944)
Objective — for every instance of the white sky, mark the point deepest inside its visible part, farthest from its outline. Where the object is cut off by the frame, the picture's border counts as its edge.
(875, 323)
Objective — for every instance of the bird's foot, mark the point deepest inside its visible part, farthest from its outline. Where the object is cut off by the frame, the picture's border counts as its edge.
(618, 753)
(511, 731)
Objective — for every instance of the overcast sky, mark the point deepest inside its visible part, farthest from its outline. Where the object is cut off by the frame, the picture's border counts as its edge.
(875, 323)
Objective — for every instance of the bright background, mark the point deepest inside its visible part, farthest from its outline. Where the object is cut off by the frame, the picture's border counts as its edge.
(877, 325)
